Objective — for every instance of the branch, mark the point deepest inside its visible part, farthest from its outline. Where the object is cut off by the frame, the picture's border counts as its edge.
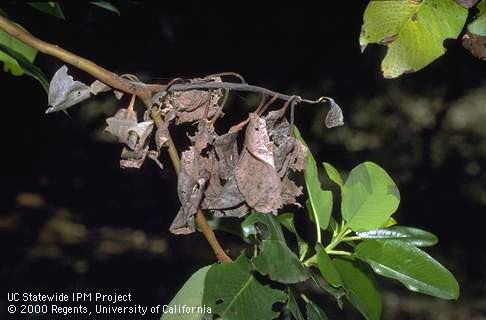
(139, 89)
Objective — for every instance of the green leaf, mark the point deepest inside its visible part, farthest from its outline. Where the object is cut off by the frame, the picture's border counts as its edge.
(323, 285)
(262, 226)
(51, 8)
(293, 306)
(369, 197)
(26, 66)
(320, 200)
(190, 295)
(413, 31)
(279, 262)
(9, 63)
(478, 25)
(106, 5)
(413, 236)
(360, 286)
(333, 174)
(287, 220)
(326, 267)
(390, 222)
(275, 258)
(314, 312)
(233, 293)
(411, 266)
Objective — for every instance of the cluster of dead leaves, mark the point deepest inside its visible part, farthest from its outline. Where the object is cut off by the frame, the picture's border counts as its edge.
(215, 175)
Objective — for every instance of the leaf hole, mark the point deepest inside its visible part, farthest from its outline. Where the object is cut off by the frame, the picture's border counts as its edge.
(219, 301)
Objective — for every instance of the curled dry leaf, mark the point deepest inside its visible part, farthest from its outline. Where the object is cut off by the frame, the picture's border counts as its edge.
(97, 86)
(120, 123)
(162, 135)
(64, 92)
(137, 135)
(193, 176)
(256, 175)
(476, 44)
(334, 117)
(133, 159)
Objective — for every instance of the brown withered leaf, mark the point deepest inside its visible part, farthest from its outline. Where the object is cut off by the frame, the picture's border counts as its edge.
(192, 179)
(226, 150)
(467, 3)
(203, 137)
(256, 176)
(97, 86)
(162, 135)
(290, 191)
(120, 123)
(133, 159)
(138, 134)
(476, 44)
(191, 105)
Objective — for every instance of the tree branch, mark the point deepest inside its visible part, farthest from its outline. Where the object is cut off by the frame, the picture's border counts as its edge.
(139, 89)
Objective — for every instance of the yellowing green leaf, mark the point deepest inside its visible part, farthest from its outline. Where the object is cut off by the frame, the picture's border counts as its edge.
(413, 31)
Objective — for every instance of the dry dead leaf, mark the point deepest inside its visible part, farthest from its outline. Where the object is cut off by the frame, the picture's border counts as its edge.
(132, 159)
(97, 86)
(256, 175)
(120, 123)
(476, 44)
(138, 134)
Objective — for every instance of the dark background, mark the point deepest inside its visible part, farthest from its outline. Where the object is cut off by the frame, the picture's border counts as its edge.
(71, 220)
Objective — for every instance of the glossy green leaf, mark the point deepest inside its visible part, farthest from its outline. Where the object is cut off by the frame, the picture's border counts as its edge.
(293, 306)
(314, 312)
(106, 5)
(227, 224)
(233, 293)
(360, 286)
(333, 174)
(478, 25)
(275, 259)
(413, 31)
(413, 236)
(411, 266)
(26, 66)
(50, 7)
(262, 226)
(10, 63)
(337, 293)
(369, 197)
(190, 295)
(390, 222)
(287, 220)
(279, 262)
(326, 267)
(320, 200)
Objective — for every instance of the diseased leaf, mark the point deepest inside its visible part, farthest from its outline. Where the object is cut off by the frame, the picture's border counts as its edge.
(256, 176)
(233, 293)
(64, 92)
(334, 117)
(413, 31)
(51, 8)
(411, 266)
(162, 135)
(369, 197)
(360, 286)
(413, 236)
(106, 5)
(27, 67)
(314, 312)
(120, 123)
(97, 86)
(190, 295)
(138, 134)
(193, 177)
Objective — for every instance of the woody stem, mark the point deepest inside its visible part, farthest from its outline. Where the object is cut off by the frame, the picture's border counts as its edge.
(143, 91)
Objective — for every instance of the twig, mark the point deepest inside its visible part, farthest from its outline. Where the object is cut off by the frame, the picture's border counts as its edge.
(136, 88)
